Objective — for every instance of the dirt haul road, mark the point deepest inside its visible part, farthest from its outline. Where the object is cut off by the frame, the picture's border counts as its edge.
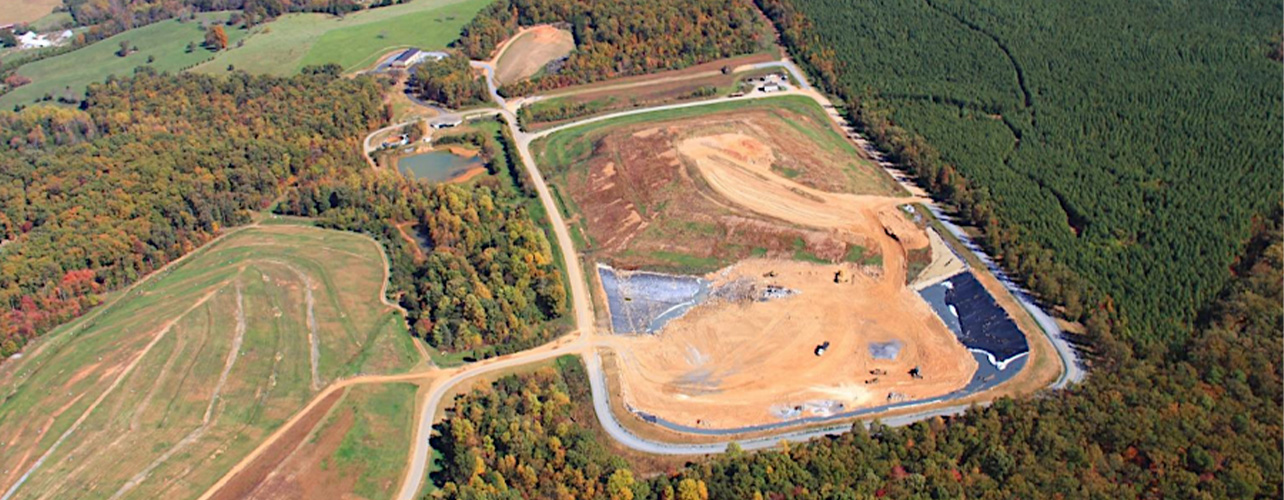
(582, 342)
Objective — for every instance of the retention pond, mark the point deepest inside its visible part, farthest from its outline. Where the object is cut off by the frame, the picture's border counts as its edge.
(438, 166)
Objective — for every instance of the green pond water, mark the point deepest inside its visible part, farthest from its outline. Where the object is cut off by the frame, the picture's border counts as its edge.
(437, 166)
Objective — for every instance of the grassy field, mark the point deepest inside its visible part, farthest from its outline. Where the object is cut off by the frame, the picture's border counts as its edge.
(376, 445)
(559, 150)
(293, 41)
(164, 42)
(357, 451)
(52, 21)
(168, 387)
(25, 11)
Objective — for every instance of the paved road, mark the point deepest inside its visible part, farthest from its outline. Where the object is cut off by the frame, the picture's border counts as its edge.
(580, 302)
(581, 342)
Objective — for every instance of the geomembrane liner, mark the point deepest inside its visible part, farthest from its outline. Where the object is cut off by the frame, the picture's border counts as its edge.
(976, 319)
(642, 302)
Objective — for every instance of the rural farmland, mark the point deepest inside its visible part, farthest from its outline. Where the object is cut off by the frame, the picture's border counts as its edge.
(161, 46)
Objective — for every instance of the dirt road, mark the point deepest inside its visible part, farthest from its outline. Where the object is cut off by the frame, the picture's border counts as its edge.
(582, 342)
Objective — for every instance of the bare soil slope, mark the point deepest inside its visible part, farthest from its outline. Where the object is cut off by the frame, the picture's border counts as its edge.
(528, 52)
(644, 204)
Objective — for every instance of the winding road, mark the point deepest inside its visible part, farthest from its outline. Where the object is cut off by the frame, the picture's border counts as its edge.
(438, 382)
(581, 343)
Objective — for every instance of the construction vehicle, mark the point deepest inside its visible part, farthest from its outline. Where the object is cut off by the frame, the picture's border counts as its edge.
(820, 349)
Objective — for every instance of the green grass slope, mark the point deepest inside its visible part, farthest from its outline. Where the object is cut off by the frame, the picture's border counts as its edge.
(160, 393)
(286, 45)
(165, 42)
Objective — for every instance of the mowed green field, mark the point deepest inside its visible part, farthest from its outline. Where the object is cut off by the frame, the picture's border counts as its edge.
(158, 394)
(286, 45)
(165, 42)
(376, 440)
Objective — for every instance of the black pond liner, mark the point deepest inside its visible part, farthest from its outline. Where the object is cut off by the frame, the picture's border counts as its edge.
(976, 319)
(981, 325)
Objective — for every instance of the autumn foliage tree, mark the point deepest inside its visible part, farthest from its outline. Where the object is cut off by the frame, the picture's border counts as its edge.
(488, 283)
(215, 37)
(153, 166)
(616, 38)
(451, 82)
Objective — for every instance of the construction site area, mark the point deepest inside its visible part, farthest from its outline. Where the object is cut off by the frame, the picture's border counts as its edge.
(635, 194)
(756, 272)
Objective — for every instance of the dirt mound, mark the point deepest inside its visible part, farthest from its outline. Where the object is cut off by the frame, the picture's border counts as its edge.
(528, 52)
(646, 205)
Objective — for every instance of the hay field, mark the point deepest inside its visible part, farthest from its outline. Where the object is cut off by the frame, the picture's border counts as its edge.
(287, 44)
(26, 11)
(160, 394)
(164, 42)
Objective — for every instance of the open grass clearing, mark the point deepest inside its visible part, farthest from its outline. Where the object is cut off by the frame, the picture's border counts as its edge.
(52, 21)
(284, 46)
(704, 81)
(168, 388)
(358, 450)
(164, 43)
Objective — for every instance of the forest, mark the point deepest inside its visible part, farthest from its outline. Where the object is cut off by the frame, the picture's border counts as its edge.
(1113, 154)
(451, 82)
(1112, 163)
(152, 167)
(1202, 422)
(616, 38)
(487, 283)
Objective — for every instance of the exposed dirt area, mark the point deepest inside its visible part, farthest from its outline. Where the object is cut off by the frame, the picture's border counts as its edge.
(729, 364)
(529, 51)
(943, 264)
(249, 479)
(405, 228)
(736, 363)
(302, 474)
(644, 197)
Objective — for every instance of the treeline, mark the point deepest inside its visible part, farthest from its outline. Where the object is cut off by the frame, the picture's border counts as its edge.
(107, 17)
(621, 38)
(487, 284)
(528, 436)
(557, 109)
(1100, 202)
(151, 168)
(451, 82)
(1202, 422)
